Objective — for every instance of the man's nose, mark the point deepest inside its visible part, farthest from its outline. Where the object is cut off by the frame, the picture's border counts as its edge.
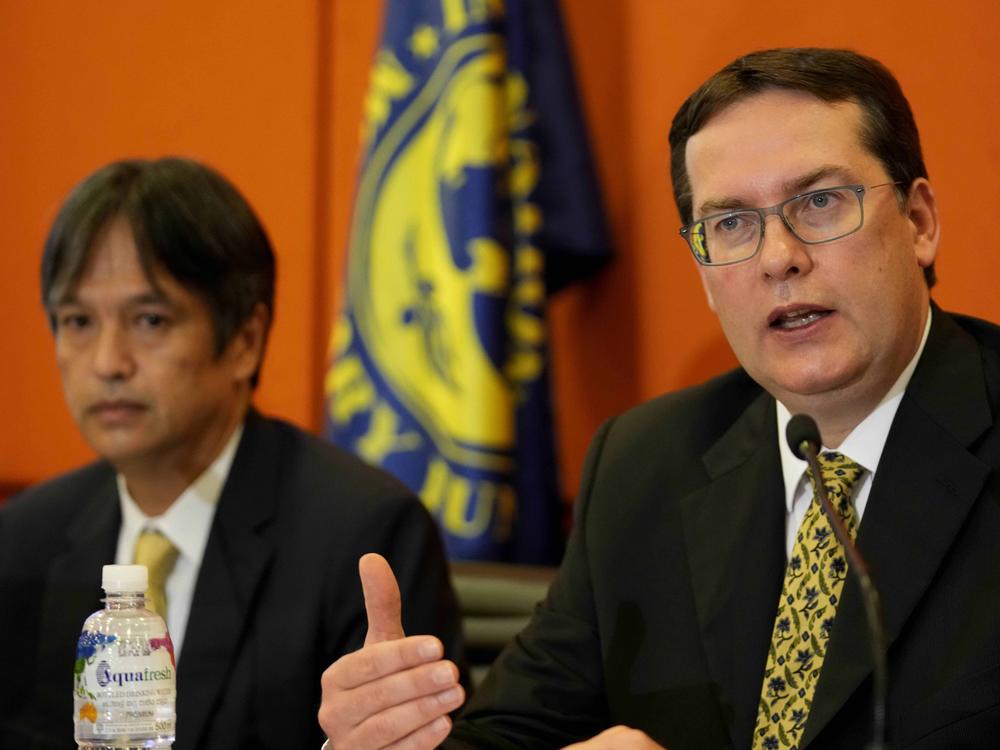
(112, 354)
(782, 254)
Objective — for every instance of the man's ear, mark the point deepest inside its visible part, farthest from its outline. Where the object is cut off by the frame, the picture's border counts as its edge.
(922, 213)
(247, 347)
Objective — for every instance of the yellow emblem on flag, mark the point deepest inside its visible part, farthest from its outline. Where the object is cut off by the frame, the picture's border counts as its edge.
(439, 354)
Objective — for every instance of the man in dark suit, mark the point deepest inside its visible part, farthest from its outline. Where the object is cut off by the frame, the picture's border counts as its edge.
(701, 603)
(159, 281)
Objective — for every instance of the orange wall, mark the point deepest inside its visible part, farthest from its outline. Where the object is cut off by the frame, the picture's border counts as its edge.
(83, 83)
(270, 92)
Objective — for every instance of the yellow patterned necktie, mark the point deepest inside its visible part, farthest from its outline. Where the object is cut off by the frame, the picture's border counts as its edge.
(814, 579)
(155, 551)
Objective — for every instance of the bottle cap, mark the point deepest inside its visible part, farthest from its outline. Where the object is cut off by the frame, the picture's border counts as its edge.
(119, 579)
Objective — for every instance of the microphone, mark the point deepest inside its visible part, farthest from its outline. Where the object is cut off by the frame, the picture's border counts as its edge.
(804, 440)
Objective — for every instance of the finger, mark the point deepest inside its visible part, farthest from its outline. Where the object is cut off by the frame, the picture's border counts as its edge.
(411, 722)
(428, 736)
(425, 693)
(380, 660)
(373, 698)
(382, 600)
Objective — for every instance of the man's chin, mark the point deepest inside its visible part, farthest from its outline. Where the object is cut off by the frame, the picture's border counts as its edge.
(809, 386)
(119, 449)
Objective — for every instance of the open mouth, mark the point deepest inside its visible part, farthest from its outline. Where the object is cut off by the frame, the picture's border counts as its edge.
(790, 320)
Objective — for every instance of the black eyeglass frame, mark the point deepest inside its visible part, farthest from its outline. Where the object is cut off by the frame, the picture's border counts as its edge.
(859, 192)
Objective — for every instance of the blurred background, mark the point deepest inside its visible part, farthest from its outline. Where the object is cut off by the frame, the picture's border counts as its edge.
(270, 93)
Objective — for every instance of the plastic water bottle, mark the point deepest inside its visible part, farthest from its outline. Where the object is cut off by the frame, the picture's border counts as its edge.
(124, 682)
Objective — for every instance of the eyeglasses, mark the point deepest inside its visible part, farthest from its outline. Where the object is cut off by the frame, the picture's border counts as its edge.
(815, 217)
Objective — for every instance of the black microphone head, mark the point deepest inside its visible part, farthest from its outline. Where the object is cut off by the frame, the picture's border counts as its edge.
(802, 429)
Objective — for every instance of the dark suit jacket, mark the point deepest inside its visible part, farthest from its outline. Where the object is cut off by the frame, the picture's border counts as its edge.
(662, 612)
(277, 597)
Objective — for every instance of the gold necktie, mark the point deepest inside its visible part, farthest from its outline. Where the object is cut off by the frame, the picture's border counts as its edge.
(155, 551)
(814, 579)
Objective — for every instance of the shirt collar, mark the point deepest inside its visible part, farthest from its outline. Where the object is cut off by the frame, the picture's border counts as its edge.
(188, 520)
(865, 442)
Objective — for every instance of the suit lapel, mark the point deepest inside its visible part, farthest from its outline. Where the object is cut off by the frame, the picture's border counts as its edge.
(734, 530)
(73, 590)
(926, 483)
(236, 558)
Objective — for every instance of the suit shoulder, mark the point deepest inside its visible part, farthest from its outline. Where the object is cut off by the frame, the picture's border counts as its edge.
(34, 522)
(986, 337)
(319, 491)
(58, 497)
(694, 417)
(662, 442)
(986, 333)
(327, 468)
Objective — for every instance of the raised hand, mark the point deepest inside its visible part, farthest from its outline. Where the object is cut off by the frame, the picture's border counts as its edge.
(395, 692)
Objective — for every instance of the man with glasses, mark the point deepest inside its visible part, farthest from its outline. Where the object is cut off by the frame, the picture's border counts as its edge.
(703, 601)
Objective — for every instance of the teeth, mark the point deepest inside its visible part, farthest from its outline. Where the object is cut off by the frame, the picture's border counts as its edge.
(798, 320)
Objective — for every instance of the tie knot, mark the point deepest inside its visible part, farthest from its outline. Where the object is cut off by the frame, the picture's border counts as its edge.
(839, 475)
(158, 554)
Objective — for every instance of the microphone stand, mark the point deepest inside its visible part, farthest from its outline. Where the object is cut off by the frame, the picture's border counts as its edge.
(873, 605)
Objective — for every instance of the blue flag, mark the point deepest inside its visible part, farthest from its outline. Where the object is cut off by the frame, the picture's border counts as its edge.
(476, 199)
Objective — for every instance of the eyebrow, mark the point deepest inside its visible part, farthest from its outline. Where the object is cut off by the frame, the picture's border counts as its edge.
(145, 298)
(790, 188)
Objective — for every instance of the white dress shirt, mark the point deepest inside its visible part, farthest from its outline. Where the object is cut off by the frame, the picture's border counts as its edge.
(186, 524)
(863, 446)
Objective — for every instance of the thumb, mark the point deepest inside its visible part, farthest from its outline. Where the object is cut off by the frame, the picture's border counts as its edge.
(382, 601)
